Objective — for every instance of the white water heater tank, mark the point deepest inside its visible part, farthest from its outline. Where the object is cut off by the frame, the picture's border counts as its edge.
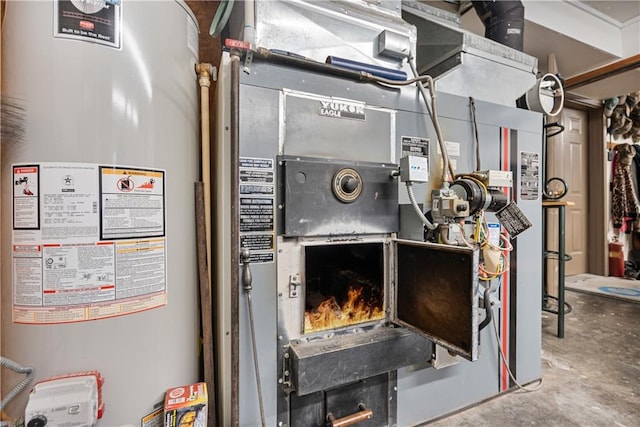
(99, 158)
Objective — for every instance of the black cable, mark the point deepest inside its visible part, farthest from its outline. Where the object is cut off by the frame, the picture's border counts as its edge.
(568, 308)
(553, 125)
(487, 308)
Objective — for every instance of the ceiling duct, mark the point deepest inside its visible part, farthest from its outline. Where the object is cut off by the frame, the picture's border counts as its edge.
(464, 63)
(503, 21)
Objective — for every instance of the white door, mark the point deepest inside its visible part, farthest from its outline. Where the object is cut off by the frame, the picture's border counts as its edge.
(567, 155)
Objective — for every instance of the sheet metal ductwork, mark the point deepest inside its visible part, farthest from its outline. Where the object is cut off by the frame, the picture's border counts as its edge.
(503, 21)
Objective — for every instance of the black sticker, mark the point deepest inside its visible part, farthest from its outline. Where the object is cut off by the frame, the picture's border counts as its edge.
(256, 214)
(261, 258)
(266, 190)
(529, 176)
(513, 219)
(248, 175)
(254, 163)
(257, 242)
(96, 21)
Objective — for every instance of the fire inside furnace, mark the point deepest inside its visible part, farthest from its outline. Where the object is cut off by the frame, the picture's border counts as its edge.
(344, 285)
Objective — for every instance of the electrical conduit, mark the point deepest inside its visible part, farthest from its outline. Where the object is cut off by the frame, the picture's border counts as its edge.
(9, 364)
(412, 199)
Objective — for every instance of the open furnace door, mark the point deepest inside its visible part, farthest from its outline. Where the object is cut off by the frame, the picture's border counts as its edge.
(436, 294)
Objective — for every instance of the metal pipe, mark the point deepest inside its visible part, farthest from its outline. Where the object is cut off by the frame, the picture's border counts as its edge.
(298, 61)
(234, 178)
(246, 282)
(204, 72)
(503, 21)
(444, 235)
(249, 21)
(561, 260)
(363, 414)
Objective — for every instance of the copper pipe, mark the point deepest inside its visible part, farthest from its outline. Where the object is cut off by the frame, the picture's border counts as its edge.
(205, 72)
(601, 73)
(363, 415)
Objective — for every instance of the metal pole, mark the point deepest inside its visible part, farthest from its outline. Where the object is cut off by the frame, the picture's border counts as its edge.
(246, 281)
(235, 237)
(561, 255)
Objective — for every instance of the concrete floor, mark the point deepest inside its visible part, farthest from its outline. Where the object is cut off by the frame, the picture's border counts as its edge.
(590, 378)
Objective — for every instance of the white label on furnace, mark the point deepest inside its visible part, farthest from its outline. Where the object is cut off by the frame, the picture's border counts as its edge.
(453, 148)
(494, 233)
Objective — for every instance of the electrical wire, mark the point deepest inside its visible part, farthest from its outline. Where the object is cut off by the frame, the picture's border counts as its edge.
(389, 82)
(30, 372)
(412, 199)
(433, 113)
(568, 308)
(487, 308)
(472, 103)
(504, 360)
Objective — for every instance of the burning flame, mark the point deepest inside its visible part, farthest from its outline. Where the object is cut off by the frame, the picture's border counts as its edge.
(330, 315)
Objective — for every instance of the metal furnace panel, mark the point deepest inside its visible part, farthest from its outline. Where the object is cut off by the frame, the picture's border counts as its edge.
(312, 205)
(325, 364)
(337, 128)
(436, 294)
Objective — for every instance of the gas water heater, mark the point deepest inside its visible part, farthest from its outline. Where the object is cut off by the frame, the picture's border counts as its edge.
(98, 164)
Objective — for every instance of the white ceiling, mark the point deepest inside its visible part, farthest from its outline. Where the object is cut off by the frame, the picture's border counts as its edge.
(621, 11)
(583, 35)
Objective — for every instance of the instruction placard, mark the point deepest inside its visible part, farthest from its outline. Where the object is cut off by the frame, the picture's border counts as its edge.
(257, 208)
(95, 21)
(513, 219)
(94, 253)
(415, 146)
(132, 203)
(26, 211)
(529, 176)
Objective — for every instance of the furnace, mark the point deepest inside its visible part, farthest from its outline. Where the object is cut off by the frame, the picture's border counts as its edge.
(374, 258)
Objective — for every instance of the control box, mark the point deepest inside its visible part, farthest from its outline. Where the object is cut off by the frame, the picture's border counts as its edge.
(66, 400)
(414, 169)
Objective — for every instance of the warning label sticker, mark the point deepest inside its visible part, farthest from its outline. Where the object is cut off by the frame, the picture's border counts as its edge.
(257, 242)
(98, 249)
(26, 211)
(256, 214)
(247, 175)
(267, 190)
(257, 208)
(96, 21)
(529, 176)
(256, 258)
(132, 203)
(255, 163)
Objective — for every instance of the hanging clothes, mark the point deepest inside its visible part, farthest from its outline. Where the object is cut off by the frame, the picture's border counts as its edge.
(636, 164)
(624, 203)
